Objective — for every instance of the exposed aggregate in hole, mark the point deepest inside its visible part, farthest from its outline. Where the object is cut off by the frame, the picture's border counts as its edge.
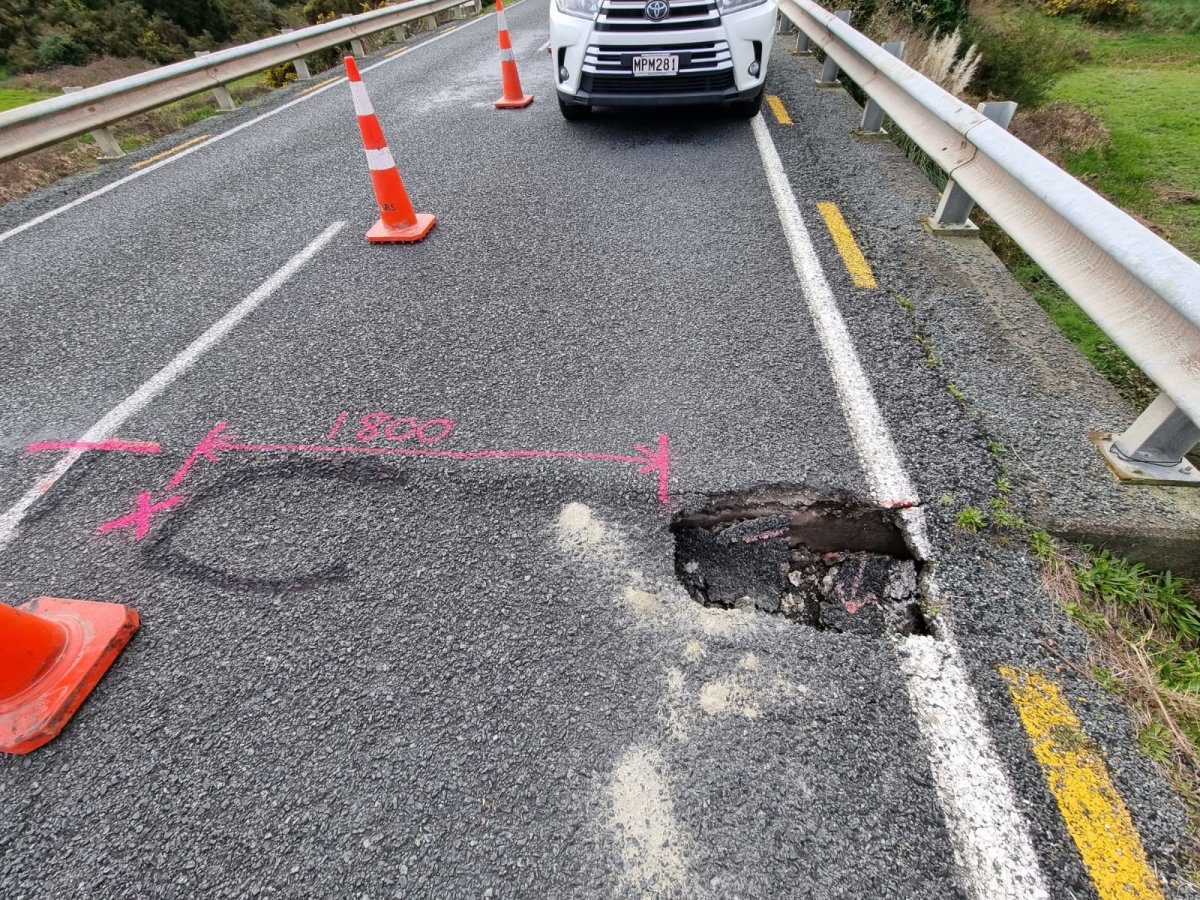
(829, 562)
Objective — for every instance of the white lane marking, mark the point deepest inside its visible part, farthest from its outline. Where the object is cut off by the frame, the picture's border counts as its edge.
(870, 434)
(545, 48)
(161, 380)
(991, 842)
(99, 192)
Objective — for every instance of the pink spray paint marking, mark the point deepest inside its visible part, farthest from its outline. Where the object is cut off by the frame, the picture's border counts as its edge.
(139, 519)
(207, 448)
(337, 425)
(376, 425)
(765, 536)
(656, 461)
(114, 445)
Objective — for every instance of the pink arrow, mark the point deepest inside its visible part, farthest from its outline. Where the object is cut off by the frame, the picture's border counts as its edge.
(207, 448)
(651, 460)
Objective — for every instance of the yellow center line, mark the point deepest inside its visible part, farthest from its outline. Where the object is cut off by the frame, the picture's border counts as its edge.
(175, 149)
(777, 107)
(856, 263)
(319, 85)
(396, 52)
(1094, 813)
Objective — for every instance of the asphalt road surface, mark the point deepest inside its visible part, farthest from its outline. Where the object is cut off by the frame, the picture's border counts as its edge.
(473, 671)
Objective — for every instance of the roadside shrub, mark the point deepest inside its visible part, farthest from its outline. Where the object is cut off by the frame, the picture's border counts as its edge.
(1095, 10)
(60, 50)
(278, 76)
(1059, 129)
(943, 61)
(932, 15)
(1023, 55)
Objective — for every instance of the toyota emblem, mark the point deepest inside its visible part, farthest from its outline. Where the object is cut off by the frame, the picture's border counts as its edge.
(657, 10)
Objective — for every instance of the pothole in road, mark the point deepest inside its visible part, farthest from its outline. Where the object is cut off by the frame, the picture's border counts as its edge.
(830, 562)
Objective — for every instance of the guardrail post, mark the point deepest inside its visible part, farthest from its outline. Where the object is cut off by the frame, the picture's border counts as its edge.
(299, 63)
(357, 50)
(220, 92)
(953, 214)
(104, 137)
(1153, 450)
(829, 74)
(803, 44)
(783, 25)
(872, 117)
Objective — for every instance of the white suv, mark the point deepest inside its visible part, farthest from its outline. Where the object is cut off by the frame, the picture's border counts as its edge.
(660, 52)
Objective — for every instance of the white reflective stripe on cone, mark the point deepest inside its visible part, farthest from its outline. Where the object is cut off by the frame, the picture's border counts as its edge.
(501, 24)
(380, 159)
(362, 103)
(506, 54)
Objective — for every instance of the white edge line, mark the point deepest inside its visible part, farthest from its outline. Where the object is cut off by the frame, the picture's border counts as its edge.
(79, 201)
(162, 379)
(991, 843)
(870, 433)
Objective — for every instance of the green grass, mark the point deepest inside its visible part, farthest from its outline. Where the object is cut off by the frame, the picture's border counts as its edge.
(1183, 15)
(1152, 165)
(970, 518)
(1142, 82)
(1147, 630)
(11, 97)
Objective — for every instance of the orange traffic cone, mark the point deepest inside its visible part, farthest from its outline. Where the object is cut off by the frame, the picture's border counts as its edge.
(513, 97)
(52, 653)
(397, 221)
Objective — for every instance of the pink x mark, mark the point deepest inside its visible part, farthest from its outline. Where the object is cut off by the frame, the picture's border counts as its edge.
(140, 518)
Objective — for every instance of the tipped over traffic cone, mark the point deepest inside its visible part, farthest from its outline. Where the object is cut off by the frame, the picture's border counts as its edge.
(52, 653)
(397, 221)
(513, 97)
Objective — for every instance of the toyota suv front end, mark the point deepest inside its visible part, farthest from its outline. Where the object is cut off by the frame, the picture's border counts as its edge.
(660, 52)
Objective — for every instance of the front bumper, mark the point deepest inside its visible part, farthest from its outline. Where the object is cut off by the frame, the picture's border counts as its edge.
(658, 98)
(598, 68)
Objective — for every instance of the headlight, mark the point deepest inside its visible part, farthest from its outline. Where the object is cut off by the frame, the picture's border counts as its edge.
(586, 8)
(728, 6)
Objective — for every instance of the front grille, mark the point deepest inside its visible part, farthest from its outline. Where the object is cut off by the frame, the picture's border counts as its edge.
(708, 57)
(630, 15)
(673, 84)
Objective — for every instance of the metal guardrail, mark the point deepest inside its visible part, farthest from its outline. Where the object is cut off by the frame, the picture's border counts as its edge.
(1143, 293)
(46, 122)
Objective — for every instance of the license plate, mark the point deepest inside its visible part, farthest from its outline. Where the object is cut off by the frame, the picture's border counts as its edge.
(656, 64)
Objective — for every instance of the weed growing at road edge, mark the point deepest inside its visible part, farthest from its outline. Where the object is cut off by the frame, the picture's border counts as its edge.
(970, 518)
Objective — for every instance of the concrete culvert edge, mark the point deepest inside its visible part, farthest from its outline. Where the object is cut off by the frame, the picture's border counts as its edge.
(832, 562)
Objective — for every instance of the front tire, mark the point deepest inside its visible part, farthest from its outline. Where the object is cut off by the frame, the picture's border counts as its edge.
(573, 112)
(747, 109)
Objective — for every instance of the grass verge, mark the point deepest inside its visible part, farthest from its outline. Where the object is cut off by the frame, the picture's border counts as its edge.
(12, 97)
(1146, 627)
(1124, 121)
(1145, 650)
